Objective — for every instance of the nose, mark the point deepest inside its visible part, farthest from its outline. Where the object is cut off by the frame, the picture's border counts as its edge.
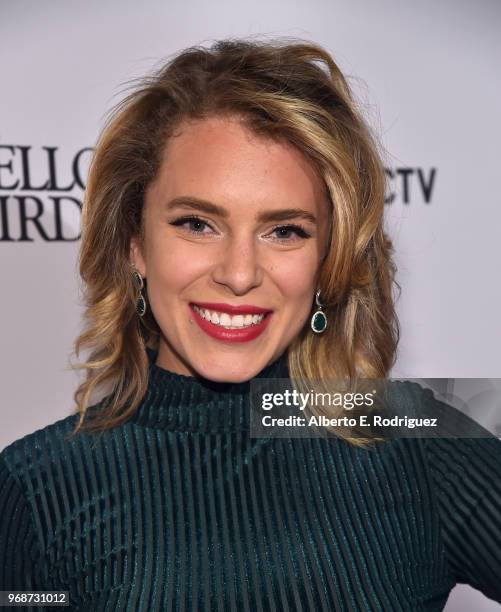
(238, 266)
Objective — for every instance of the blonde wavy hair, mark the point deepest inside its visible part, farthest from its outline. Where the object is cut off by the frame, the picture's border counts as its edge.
(284, 90)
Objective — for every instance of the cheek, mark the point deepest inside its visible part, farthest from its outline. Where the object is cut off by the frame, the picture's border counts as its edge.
(295, 275)
(173, 267)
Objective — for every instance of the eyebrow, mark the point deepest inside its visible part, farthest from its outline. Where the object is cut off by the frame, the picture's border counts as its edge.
(190, 202)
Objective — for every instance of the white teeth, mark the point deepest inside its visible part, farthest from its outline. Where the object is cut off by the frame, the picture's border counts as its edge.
(225, 319)
(228, 321)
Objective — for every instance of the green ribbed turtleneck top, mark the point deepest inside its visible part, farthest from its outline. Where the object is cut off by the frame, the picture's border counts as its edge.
(180, 509)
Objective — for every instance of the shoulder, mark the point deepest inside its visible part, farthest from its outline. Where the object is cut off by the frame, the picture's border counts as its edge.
(456, 452)
(49, 453)
(412, 399)
(33, 446)
(52, 475)
(26, 474)
(462, 458)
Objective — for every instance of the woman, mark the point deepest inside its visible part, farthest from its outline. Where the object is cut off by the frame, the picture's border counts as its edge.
(233, 232)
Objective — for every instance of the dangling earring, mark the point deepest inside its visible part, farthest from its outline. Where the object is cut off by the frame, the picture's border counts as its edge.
(318, 321)
(140, 301)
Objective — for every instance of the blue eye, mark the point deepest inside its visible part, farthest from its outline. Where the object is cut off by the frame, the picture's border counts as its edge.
(297, 229)
(195, 222)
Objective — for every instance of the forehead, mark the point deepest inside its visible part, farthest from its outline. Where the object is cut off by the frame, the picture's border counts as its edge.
(222, 160)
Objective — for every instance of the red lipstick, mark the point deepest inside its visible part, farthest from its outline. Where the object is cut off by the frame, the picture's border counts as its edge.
(244, 334)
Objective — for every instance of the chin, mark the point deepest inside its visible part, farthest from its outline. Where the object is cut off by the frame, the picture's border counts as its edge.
(222, 373)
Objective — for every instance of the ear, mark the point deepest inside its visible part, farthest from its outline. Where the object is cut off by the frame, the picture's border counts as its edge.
(136, 256)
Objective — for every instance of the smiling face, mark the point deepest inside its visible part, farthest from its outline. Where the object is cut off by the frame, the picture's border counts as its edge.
(219, 233)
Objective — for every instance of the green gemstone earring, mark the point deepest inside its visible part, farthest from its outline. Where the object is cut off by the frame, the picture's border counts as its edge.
(318, 321)
(140, 301)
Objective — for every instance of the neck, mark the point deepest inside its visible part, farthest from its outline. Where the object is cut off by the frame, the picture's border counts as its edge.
(181, 402)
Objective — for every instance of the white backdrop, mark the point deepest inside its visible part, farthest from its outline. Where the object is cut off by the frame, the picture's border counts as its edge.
(427, 75)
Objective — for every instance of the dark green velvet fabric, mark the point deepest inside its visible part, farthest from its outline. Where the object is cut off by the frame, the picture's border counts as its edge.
(180, 509)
